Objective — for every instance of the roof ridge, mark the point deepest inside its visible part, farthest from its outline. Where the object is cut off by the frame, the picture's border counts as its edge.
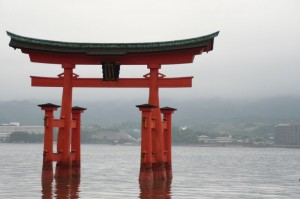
(111, 45)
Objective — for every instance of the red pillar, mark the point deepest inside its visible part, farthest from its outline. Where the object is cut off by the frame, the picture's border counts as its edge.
(48, 132)
(146, 174)
(75, 146)
(47, 169)
(159, 173)
(167, 113)
(64, 134)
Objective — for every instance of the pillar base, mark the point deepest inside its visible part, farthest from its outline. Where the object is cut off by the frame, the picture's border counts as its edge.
(146, 174)
(47, 171)
(76, 168)
(63, 169)
(159, 172)
(169, 173)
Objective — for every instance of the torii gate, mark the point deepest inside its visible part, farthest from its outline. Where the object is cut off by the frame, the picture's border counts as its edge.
(155, 133)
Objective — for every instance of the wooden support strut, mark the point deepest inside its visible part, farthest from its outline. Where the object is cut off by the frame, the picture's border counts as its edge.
(48, 155)
(75, 142)
(167, 113)
(146, 174)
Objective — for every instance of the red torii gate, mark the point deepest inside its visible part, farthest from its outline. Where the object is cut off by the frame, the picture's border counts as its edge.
(156, 133)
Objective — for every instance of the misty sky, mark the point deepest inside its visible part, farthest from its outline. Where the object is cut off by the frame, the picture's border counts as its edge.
(256, 55)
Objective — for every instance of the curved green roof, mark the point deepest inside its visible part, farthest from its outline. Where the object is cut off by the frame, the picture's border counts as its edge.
(22, 42)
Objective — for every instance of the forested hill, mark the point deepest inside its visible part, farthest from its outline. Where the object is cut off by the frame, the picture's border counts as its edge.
(191, 112)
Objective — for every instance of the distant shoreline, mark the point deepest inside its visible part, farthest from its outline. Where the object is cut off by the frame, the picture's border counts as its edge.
(183, 145)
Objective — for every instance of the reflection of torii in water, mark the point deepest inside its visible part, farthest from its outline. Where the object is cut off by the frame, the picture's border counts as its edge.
(156, 133)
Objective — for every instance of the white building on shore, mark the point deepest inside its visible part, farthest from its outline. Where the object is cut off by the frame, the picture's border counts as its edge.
(204, 139)
(7, 129)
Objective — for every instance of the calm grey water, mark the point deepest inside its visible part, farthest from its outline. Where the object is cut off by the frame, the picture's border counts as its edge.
(112, 172)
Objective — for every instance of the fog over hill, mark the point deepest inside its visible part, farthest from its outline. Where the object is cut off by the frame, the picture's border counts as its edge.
(194, 113)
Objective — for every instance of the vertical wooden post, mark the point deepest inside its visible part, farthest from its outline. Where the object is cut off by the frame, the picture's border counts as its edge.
(75, 143)
(159, 173)
(48, 132)
(167, 113)
(146, 174)
(64, 134)
(47, 169)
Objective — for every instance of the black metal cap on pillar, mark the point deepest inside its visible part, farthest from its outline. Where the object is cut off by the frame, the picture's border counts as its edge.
(168, 108)
(49, 106)
(146, 106)
(78, 108)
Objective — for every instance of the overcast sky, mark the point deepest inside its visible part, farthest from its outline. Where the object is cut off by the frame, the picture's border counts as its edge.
(256, 55)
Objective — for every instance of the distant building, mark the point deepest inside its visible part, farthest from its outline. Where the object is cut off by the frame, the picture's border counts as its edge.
(224, 140)
(203, 139)
(287, 134)
(7, 129)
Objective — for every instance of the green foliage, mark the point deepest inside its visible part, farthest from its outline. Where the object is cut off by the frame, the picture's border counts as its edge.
(100, 135)
(184, 136)
(250, 130)
(26, 137)
(97, 134)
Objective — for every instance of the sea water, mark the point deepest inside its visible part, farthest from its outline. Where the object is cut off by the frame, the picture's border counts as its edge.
(198, 172)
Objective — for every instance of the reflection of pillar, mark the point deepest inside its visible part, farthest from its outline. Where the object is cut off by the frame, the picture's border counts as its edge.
(62, 185)
(146, 143)
(75, 146)
(74, 187)
(146, 190)
(48, 132)
(47, 182)
(159, 189)
(67, 186)
(159, 173)
(167, 112)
